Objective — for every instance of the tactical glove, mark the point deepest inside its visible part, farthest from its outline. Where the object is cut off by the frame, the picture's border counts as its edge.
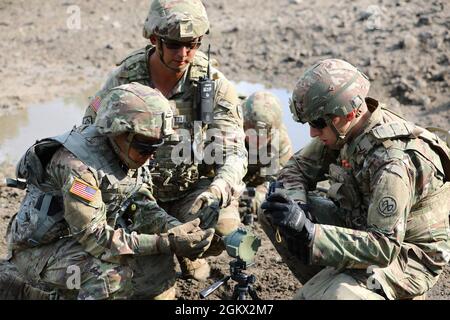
(247, 206)
(210, 197)
(282, 211)
(186, 240)
(207, 207)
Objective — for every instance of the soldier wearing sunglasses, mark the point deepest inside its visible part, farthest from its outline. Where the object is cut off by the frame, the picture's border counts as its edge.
(382, 230)
(89, 213)
(173, 64)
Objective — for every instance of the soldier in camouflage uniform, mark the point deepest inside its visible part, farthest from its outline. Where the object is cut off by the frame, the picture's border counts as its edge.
(269, 147)
(173, 64)
(383, 230)
(90, 209)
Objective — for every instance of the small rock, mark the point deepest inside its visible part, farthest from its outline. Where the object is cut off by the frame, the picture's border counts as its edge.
(232, 30)
(424, 21)
(438, 76)
(425, 101)
(420, 83)
(341, 24)
(295, 1)
(106, 18)
(108, 46)
(443, 60)
(409, 42)
(289, 59)
(425, 36)
(116, 25)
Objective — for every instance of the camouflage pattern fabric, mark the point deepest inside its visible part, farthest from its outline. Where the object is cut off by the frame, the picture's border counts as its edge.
(393, 204)
(98, 279)
(262, 110)
(177, 20)
(174, 182)
(330, 87)
(332, 284)
(134, 108)
(258, 177)
(263, 107)
(108, 215)
(92, 224)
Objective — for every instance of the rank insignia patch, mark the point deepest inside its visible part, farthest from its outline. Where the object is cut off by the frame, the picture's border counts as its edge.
(83, 190)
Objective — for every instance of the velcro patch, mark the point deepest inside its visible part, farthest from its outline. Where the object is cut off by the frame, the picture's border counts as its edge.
(95, 103)
(387, 206)
(83, 190)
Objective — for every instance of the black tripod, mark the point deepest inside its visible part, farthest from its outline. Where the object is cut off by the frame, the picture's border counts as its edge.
(243, 286)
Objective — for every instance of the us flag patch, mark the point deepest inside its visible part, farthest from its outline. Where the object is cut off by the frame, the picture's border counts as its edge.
(95, 104)
(83, 190)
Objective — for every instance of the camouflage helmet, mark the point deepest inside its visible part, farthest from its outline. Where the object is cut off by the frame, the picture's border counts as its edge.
(262, 109)
(180, 20)
(330, 87)
(136, 109)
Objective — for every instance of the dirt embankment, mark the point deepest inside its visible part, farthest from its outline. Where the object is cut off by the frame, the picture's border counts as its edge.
(403, 46)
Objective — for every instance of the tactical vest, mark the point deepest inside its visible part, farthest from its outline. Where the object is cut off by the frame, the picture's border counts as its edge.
(40, 219)
(173, 180)
(349, 185)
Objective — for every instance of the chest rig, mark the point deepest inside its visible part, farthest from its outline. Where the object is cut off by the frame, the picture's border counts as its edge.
(40, 219)
(174, 169)
(350, 178)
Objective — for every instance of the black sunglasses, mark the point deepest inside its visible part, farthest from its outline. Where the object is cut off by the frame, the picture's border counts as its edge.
(145, 148)
(319, 123)
(176, 45)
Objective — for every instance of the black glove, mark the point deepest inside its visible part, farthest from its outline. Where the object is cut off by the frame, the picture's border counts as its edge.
(282, 211)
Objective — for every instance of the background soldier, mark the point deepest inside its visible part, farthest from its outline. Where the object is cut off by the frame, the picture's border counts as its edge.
(269, 147)
(89, 206)
(384, 233)
(173, 65)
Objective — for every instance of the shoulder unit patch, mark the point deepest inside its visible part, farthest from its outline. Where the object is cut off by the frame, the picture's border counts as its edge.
(387, 206)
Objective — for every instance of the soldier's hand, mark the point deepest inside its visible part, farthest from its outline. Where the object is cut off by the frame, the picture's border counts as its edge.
(186, 240)
(248, 206)
(284, 212)
(210, 197)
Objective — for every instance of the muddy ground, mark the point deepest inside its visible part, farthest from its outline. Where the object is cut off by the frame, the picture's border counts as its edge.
(403, 46)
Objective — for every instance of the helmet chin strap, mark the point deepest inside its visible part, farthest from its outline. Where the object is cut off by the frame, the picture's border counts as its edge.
(123, 155)
(161, 57)
(342, 137)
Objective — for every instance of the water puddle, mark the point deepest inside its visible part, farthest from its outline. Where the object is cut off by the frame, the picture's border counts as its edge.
(20, 130)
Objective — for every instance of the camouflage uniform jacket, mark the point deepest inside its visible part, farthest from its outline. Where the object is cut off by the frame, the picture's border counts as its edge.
(83, 188)
(259, 175)
(393, 199)
(173, 181)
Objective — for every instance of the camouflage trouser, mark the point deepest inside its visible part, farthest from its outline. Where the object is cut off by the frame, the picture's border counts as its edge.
(331, 284)
(325, 212)
(319, 282)
(66, 268)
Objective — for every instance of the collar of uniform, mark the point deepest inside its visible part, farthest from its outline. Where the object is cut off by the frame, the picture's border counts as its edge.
(374, 119)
